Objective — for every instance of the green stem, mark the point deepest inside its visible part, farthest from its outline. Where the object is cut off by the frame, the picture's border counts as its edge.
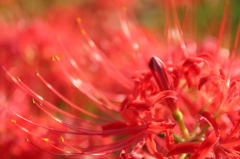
(179, 118)
(204, 130)
(177, 138)
(194, 132)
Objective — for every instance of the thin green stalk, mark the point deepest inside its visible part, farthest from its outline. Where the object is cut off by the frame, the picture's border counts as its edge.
(194, 132)
(179, 118)
(204, 130)
(177, 138)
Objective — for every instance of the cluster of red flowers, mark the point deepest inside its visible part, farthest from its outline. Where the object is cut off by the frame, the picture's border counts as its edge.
(113, 90)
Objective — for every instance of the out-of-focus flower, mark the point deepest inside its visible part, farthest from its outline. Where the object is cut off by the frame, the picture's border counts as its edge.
(175, 99)
(25, 46)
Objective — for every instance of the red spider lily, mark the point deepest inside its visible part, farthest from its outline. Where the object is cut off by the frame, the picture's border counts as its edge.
(32, 48)
(183, 103)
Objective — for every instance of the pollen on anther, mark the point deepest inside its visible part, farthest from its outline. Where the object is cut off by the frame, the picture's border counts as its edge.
(58, 37)
(57, 57)
(40, 103)
(13, 121)
(18, 79)
(26, 139)
(83, 31)
(79, 20)
(124, 8)
(37, 73)
(62, 139)
(33, 101)
(52, 58)
(45, 139)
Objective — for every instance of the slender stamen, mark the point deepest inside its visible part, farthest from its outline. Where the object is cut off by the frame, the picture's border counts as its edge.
(128, 32)
(81, 130)
(79, 85)
(80, 75)
(223, 23)
(178, 27)
(100, 57)
(68, 101)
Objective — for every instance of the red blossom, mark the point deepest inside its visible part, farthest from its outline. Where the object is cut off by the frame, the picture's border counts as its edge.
(125, 93)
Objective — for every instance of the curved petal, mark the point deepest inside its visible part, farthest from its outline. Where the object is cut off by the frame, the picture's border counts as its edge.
(187, 147)
(165, 94)
(137, 105)
(151, 146)
(158, 127)
(208, 78)
(210, 119)
(206, 146)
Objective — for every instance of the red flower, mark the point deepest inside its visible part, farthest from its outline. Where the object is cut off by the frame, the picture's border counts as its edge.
(182, 101)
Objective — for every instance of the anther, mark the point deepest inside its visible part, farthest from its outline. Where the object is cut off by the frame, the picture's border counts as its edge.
(52, 58)
(13, 121)
(18, 79)
(57, 57)
(62, 139)
(79, 20)
(83, 31)
(124, 9)
(58, 37)
(37, 73)
(33, 101)
(45, 139)
(26, 139)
